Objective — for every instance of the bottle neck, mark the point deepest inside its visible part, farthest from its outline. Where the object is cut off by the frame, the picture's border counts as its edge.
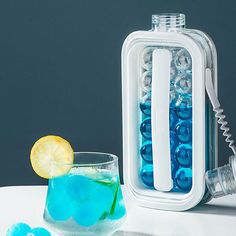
(168, 22)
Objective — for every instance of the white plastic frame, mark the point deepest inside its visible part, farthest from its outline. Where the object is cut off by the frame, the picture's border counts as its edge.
(132, 46)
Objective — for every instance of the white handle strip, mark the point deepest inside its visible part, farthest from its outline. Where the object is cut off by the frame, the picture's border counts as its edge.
(161, 62)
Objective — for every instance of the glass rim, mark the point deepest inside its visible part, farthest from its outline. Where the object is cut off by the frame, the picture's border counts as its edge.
(114, 159)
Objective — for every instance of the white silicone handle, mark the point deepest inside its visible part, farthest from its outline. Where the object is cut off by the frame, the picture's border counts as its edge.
(161, 62)
(210, 89)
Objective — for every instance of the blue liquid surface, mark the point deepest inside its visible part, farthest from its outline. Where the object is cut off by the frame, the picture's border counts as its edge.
(183, 107)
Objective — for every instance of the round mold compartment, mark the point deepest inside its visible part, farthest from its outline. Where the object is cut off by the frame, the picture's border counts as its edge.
(183, 179)
(183, 106)
(173, 119)
(174, 142)
(146, 175)
(183, 83)
(174, 167)
(183, 155)
(146, 129)
(145, 104)
(146, 152)
(182, 60)
(183, 131)
(146, 81)
(146, 58)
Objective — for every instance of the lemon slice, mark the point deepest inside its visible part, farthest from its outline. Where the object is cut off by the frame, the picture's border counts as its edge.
(51, 156)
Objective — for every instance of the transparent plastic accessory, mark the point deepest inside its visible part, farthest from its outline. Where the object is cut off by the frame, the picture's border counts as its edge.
(221, 181)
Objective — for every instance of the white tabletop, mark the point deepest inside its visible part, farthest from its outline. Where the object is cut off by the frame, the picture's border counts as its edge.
(26, 204)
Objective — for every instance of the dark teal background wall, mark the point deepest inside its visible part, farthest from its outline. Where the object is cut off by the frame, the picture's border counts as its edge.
(60, 71)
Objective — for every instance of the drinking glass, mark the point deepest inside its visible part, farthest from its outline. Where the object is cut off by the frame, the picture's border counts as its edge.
(88, 199)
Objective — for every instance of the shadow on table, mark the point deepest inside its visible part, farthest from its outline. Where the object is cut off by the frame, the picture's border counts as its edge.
(129, 233)
(214, 210)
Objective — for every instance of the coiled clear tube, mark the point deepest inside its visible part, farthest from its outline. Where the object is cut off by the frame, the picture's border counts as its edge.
(222, 180)
(224, 127)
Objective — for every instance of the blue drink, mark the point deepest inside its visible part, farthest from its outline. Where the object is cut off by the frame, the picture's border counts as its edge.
(85, 201)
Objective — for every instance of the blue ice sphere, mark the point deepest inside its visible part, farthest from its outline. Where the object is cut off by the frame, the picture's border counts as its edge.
(146, 129)
(182, 60)
(146, 151)
(59, 207)
(84, 191)
(184, 131)
(79, 187)
(146, 81)
(173, 141)
(19, 229)
(88, 213)
(145, 104)
(58, 203)
(39, 232)
(183, 83)
(183, 155)
(173, 118)
(147, 175)
(118, 209)
(57, 184)
(183, 107)
(103, 196)
(183, 179)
